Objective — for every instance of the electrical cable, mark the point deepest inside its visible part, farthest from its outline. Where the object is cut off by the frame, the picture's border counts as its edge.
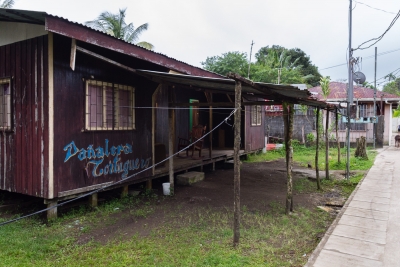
(118, 182)
(377, 39)
(374, 7)
(368, 57)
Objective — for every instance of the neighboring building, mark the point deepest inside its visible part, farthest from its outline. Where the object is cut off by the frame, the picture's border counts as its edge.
(362, 111)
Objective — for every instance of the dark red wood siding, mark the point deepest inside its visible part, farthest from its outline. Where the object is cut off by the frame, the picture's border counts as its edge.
(69, 116)
(23, 152)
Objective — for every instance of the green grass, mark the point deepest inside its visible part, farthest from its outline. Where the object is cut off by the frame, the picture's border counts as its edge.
(195, 237)
(198, 237)
(306, 155)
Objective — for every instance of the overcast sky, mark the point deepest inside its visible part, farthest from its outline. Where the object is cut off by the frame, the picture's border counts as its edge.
(192, 30)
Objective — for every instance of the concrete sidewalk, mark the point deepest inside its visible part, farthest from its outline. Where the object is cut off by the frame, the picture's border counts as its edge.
(367, 230)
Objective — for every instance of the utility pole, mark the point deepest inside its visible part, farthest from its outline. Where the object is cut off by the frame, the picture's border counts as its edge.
(279, 75)
(251, 51)
(349, 92)
(374, 129)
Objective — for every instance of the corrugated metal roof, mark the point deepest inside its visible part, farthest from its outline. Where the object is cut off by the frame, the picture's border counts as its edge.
(24, 16)
(39, 17)
(339, 92)
(275, 92)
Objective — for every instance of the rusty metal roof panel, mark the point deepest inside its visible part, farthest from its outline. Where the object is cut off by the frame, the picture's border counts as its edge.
(64, 26)
(339, 92)
(22, 16)
(267, 91)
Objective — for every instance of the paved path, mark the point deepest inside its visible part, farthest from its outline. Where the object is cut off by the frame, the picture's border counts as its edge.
(367, 230)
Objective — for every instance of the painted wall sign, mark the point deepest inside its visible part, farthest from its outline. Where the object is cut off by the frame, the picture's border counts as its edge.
(96, 157)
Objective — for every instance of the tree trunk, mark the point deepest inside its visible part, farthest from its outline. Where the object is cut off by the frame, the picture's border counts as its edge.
(361, 150)
(337, 135)
(236, 171)
(288, 112)
(317, 150)
(327, 146)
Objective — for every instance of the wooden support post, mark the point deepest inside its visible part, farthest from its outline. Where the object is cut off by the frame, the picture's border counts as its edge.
(171, 119)
(288, 112)
(213, 166)
(149, 184)
(327, 145)
(317, 150)
(73, 54)
(210, 125)
(337, 134)
(124, 191)
(236, 171)
(52, 213)
(93, 200)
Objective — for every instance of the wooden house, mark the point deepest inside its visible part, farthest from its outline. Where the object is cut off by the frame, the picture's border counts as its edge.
(363, 112)
(77, 115)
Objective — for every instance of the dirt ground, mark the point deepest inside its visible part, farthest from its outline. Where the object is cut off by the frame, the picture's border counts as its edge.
(261, 184)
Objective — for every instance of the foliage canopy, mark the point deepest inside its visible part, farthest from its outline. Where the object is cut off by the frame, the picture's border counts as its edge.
(115, 25)
(273, 65)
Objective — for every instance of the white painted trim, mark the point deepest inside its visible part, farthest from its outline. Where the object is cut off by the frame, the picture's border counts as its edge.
(51, 115)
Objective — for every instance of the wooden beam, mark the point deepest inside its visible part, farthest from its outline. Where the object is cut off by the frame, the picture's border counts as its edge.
(236, 171)
(224, 104)
(288, 111)
(229, 97)
(73, 54)
(210, 124)
(171, 120)
(317, 148)
(90, 53)
(327, 145)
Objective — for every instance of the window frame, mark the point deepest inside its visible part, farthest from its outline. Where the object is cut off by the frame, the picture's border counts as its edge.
(255, 112)
(9, 117)
(115, 107)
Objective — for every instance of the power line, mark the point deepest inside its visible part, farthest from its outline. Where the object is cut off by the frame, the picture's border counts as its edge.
(377, 39)
(374, 7)
(368, 57)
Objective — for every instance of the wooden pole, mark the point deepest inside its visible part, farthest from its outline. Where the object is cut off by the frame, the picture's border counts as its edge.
(317, 150)
(171, 119)
(211, 124)
(327, 146)
(288, 112)
(236, 184)
(337, 135)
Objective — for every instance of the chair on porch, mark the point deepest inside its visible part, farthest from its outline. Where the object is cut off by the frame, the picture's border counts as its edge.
(193, 142)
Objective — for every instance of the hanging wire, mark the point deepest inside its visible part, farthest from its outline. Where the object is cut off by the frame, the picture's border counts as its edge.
(368, 57)
(374, 7)
(118, 182)
(377, 39)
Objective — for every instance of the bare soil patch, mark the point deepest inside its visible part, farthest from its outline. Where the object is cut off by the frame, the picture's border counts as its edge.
(262, 183)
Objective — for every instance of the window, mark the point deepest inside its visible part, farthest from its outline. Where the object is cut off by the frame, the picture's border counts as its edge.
(255, 115)
(109, 106)
(5, 104)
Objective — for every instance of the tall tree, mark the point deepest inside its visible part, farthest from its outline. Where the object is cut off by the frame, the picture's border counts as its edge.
(297, 57)
(228, 62)
(7, 4)
(115, 25)
(392, 87)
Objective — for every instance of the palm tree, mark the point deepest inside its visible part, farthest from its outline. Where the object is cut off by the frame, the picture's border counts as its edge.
(115, 25)
(7, 4)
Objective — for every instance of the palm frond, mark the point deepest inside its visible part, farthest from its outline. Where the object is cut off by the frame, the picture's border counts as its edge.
(146, 45)
(7, 4)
